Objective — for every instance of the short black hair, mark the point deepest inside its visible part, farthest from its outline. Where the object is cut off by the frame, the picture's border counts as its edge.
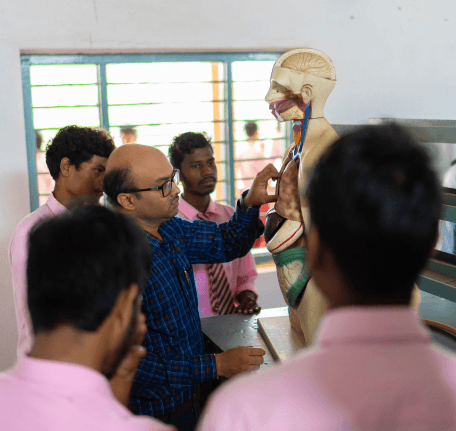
(251, 128)
(78, 264)
(128, 131)
(185, 144)
(376, 201)
(117, 180)
(38, 139)
(79, 144)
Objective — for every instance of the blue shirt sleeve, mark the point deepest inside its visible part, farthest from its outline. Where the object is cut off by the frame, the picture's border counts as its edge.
(207, 242)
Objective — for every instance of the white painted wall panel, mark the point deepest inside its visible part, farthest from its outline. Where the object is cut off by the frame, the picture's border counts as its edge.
(14, 196)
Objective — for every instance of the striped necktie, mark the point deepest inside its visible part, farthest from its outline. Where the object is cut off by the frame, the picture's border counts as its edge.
(220, 295)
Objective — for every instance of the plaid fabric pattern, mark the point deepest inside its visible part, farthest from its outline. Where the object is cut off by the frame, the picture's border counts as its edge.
(175, 364)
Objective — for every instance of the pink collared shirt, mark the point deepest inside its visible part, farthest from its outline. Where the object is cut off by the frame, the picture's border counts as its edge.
(241, 273)
(18, 262)
(371, 369)
(42, 395)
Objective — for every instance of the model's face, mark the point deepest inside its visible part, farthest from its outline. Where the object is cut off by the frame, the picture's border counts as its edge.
(284, 98)
(85, 182)
(152, 206)
(199, 172)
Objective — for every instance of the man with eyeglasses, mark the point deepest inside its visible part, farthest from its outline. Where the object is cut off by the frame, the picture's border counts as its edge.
(141, 182)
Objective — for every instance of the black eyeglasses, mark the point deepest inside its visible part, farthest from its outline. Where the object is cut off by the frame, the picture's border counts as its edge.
(165, 188)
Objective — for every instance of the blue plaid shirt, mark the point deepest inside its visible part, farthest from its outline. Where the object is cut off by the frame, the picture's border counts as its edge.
(176, 364)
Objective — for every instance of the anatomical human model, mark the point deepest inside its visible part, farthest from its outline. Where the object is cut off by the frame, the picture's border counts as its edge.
(301, 81)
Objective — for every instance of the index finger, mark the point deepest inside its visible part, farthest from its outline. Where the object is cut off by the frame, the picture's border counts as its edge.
(255, 351)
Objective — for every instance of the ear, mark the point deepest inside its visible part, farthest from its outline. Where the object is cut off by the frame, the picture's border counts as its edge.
(123, 309)
(65, 166)
(126, 201)
(307, 93)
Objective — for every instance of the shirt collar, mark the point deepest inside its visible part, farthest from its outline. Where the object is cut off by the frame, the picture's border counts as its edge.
(371, 324)
(190, 212)
(62, 376)
(54, 205)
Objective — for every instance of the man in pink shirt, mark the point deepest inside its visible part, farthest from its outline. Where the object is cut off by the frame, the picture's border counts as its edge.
(192, 154)
(86, 271)
(374, 206)
(76, 159)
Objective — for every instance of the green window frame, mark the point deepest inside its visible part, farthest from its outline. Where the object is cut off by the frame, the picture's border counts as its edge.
(101, 61)
(439, 277)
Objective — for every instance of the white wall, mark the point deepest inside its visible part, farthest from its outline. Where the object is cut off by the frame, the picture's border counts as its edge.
(14, 194)
(393, 58)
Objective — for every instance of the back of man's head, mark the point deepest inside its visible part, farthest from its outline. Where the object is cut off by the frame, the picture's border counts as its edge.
(78, 144)
(251, 129)
(376, 202)
(78, 264)
(185, 144)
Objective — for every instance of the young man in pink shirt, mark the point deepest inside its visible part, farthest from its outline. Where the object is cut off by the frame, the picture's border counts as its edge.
(223, 288)
(374, 202)
(86, 271)
(76, 159)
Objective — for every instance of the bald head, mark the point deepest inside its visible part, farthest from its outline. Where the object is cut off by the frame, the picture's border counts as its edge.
(134, 166)
(135, 157)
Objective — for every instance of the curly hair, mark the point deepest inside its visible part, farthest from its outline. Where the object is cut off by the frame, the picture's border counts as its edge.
(79, 144)
(185, 144)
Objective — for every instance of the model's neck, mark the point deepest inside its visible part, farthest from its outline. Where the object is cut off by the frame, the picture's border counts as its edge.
(199, 202)
(318, 110)
(315, 127)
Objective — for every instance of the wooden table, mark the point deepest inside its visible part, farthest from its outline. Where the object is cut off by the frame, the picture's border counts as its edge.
(242, 330)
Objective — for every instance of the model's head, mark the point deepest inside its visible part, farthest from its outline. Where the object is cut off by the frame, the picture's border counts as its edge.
(77, 158)
(375, 203)
(86, 270)
(300, 78)
(141, 181)
(193, 155)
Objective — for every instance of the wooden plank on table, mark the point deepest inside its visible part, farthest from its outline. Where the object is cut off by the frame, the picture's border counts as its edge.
(281, 340)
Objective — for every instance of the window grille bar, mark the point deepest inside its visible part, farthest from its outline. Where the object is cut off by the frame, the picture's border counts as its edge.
(230, 146)
(30, 138)
(103, 96)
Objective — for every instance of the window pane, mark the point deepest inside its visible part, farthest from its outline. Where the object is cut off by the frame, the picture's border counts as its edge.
(446, 237)
(126, 94)
(162, 100)
(61, 95)
(252, 70)
(64, 74)
(199, 112)
(47, 118)
(250, 90)
(159, 72)
(163, 134)
(75, 95)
